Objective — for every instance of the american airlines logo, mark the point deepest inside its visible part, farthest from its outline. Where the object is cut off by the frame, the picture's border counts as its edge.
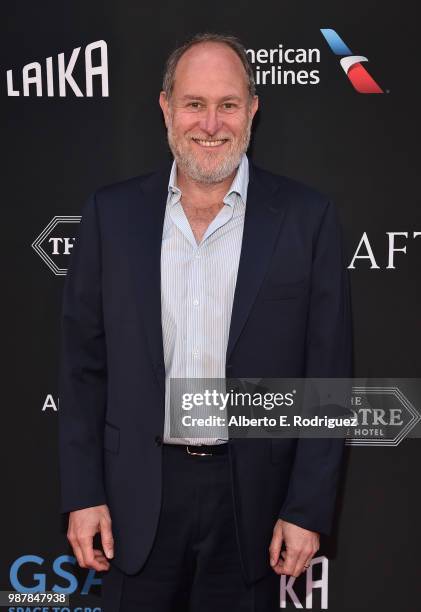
(54, 76)
(55, 243)
(352, 65)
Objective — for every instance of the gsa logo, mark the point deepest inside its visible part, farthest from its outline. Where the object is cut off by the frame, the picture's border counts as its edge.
(38, 581)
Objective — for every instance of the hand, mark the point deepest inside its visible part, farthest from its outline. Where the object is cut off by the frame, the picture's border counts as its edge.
(83, 525)
(301, 545)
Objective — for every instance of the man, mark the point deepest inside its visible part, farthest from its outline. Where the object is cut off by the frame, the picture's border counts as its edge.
(209, 267)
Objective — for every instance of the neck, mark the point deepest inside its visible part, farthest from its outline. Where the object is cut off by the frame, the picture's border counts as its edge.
(203, 195)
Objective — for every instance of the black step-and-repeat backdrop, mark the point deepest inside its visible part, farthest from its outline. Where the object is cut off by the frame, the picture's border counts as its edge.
(339, 107)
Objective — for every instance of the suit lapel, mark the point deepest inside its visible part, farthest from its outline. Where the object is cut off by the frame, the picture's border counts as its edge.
(265, 211)
(146, 218)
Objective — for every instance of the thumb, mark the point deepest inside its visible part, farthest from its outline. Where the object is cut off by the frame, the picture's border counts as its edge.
(276, 544)
(107, 540)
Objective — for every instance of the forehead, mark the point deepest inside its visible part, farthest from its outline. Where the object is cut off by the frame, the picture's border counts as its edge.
(210, 68)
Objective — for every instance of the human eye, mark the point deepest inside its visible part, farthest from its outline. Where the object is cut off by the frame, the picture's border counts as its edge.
(229, 106)
(194, 105)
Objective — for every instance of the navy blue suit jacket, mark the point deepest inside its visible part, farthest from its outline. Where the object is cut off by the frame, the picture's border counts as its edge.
(290, 318)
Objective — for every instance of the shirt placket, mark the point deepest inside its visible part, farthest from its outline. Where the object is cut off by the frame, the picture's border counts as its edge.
(195, 313)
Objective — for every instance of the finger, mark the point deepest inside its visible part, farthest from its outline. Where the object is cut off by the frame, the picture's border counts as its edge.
(101, 559)
(85, 543)
(278, 568)
(107, 539)
(307, 564)
(78, 554)
(275, 547)
(301, 562)
(289, 561)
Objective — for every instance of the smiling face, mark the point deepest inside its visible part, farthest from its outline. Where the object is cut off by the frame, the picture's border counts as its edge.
(209, 113)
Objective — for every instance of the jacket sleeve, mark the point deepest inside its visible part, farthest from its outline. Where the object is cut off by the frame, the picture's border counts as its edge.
(82, 371)
(313, 482)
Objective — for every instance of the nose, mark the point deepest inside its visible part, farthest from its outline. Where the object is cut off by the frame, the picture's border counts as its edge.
(211, 122)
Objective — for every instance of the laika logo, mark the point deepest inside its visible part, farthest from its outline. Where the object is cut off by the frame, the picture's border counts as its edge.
(361, 80)
(319, 565)
(55, 242)
(55, 76)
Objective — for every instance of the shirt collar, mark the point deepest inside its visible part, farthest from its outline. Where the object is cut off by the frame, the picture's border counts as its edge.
(239, 184)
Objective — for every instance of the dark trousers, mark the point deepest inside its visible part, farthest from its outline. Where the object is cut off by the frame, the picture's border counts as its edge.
(194, 565)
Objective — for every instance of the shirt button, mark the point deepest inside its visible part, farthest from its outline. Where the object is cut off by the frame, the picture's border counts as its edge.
(197, 256)
(195, 302)
(195, 353)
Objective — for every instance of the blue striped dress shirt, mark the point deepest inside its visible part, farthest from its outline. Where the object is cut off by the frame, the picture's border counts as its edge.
(197, 291)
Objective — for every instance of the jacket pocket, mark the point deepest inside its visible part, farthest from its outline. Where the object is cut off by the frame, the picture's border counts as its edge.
(111, 438)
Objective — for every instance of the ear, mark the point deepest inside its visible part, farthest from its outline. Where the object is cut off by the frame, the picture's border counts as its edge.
(164, 104)
(254, 106)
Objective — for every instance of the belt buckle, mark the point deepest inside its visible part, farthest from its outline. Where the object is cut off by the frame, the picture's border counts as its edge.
(189, 452)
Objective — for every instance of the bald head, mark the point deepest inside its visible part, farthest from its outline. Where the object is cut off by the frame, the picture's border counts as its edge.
(212, 67)
(209, 111)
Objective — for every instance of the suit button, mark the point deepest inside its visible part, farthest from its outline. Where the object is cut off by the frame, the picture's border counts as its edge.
(158, 440)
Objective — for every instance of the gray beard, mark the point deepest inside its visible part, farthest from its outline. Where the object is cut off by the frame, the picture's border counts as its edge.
(190, 166)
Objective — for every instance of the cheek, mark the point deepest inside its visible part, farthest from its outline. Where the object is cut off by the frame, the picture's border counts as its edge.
(185, 122)
(237, 125)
